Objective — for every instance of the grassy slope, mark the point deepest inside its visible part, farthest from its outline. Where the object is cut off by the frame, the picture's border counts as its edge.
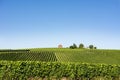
(86, 55)
(67, 55)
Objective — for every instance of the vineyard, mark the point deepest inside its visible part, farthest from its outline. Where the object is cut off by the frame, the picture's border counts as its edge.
(28, 56)
(55, 64)
(23, 70)
(64, 55)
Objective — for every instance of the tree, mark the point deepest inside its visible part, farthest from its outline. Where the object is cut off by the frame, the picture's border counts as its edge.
(91, 46)
(95, 47)
(71, 47)
(81, 46)
(74, 46)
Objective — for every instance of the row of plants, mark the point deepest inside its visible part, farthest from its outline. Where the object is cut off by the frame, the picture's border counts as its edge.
(23, 70)
(28, 56)
(16, 50)
(65, 55)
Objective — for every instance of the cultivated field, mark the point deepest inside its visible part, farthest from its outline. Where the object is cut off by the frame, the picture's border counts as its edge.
(64, 55)
(59, 64)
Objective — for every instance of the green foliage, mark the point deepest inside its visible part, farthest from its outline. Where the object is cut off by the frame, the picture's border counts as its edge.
(91, 46)
(74, 46)
(71, 47)
(81, 46)
(95, 47)
(65, 55)
(22, 70)
(60, 63)
(29, 56)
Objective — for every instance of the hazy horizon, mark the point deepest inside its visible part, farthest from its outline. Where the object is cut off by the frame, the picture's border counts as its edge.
(48, 23)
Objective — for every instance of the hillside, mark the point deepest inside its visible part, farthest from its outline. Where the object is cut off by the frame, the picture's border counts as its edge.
(64, 55)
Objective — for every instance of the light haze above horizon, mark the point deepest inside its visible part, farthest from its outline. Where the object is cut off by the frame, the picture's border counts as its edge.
(48, 23)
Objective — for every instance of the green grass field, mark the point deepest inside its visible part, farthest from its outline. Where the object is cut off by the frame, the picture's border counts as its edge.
(64, 55)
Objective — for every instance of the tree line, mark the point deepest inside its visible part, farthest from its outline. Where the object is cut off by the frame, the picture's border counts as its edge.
(81, 46)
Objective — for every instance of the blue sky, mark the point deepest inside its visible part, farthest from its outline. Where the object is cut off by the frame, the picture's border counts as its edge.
(47, 23)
